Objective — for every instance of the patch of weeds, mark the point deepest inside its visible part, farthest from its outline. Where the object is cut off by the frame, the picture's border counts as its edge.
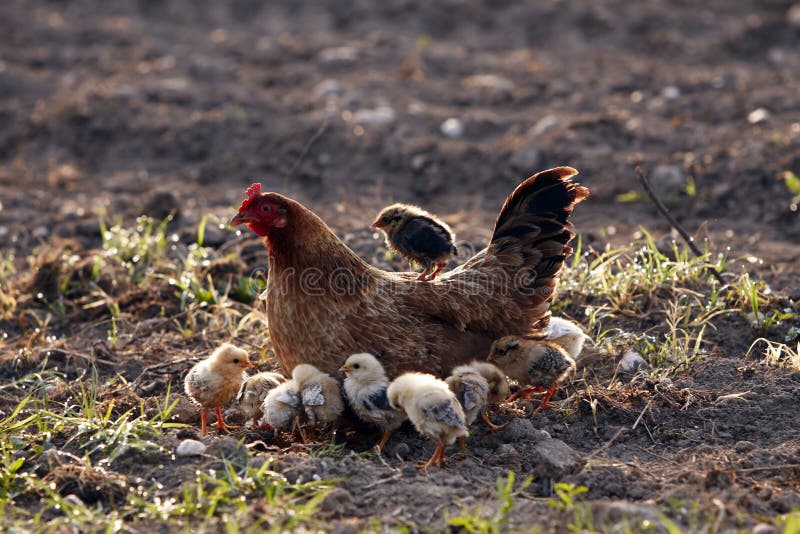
(568, 501)
(778, 354)
(792, 183)
(8, 303)
(495, 523)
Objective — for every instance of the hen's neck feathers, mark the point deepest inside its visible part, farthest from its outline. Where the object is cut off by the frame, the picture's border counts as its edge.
(307, 242)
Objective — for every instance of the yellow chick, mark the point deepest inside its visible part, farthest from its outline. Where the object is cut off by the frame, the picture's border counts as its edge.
(320, 394)
(365, 388)
(567, 334)
(541, 365)
(214, 381)
(476, 385)
(253, 392)
(432, 408)
(282, 407)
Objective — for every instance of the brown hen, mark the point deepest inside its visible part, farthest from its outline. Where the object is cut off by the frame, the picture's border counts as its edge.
(325, 303)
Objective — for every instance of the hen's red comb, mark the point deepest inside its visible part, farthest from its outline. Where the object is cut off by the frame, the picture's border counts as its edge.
(253, 192)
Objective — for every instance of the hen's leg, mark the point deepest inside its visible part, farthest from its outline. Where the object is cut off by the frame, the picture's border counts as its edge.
(550, 391)
(203, 420)
(492, 427)
(384, 439)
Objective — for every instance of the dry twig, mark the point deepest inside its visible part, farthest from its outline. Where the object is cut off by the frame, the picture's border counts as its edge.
(674, 223)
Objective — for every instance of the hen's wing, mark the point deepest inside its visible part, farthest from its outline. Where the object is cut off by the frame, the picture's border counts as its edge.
(507, 287)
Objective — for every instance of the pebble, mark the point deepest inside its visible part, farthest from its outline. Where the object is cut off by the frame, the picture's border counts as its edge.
(522, 431)
(555, 459)
(374, 117)
(763, 528)
(631, 362)
(452, 128)
(190, 447)
(337, 500)
(671, 92)
(489, 87)
(526, 158)
(793, 16)
(744, 446)
(40, 232)
(326, 88)
(338, 55)
(668, 179)
(757, 116)
(401, 450)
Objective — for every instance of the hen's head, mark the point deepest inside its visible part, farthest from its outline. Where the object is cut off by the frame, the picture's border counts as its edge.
(262, 213)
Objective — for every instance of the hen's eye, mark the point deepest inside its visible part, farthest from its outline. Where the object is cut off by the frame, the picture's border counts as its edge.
(236, 360)
(265, 208)
(356, 365)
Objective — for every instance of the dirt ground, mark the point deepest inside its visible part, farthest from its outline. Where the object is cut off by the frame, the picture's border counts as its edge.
(118, 109)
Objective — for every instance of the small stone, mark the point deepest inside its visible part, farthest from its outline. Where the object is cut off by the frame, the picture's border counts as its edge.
(555, 459)
(521, 430)
(507, 449)
(400, 450)
(542, 125)
(668, 180)
(632, 362)
(374, 117)
(671, 92)
(757, 116)
(744, 446)
(337, 500)
(184, 411)
(190, 447)
(763, 528)
(489, 87)
(452, 128)
(419, 162)
(327, 88)
(526, 158)
(338, 55)
(793, 16)
(40, 232)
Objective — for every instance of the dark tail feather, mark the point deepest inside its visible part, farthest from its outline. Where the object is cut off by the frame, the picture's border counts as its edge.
(534, 222)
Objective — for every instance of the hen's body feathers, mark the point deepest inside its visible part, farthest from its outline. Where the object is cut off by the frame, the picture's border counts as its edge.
(324, 302)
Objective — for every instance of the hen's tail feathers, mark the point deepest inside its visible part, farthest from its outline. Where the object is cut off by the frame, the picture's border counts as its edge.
(534, 222)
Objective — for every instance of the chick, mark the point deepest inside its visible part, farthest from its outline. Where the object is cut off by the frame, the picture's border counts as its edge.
(476, 385)
(567, 334)
(320, 394)
(282, 408)
(432, 408)
(542, 365)
(214, 381)
(418, 236)
(253, 392)
(365, 388)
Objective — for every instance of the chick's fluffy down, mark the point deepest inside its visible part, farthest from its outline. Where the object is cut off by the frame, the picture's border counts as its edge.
(253, 392)
(216, 380)
(282, 406)
(430, 405)
(320, 394)
(365, 388)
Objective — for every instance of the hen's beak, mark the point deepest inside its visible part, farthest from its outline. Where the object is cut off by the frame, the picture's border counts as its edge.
(242, 217)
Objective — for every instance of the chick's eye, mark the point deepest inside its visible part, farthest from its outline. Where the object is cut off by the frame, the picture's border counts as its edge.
(265, 208)
(236, 360)
(356, 365)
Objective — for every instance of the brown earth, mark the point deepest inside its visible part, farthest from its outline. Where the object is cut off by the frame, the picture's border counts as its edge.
(131, 107)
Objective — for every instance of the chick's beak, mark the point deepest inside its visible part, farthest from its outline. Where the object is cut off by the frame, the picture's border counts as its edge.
(344, 369)
(374, 225)
(490, 357)
(242, 217)
(247, 364)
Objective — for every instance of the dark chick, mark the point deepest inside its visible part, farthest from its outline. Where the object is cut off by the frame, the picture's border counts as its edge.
(539, 365)
(418, 236)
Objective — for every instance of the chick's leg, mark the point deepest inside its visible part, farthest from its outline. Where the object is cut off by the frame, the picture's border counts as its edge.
(220, 423)
(424, 276)
(463, 446)
(384, 440)
(550, 391)
(435, 459)
(524, 393)
(203, 421)
(439, 267)
(492, 427)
